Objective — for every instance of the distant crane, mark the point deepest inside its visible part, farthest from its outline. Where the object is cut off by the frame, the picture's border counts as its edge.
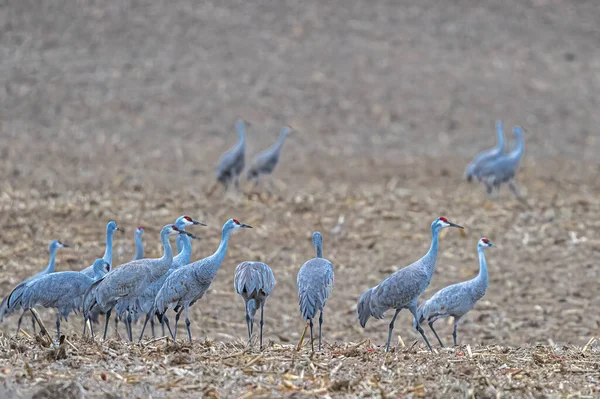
(59, 290)
(189, 283)
(139, 245)
(315, 283)
(488, 155)
(504, 168)
(458, 299)
(7, 307)
(130, 279)
(254, 281)
(145, 302)
(401, 289)
(232, 162)
(265, 162)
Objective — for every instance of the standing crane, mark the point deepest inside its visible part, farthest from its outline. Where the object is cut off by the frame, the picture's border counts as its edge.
(145, 302)
(111, 227)
(401, 289)
(189, 283)
(458, 299)
(486, 156)
(315, 283)
(504, 168)
(232, 162)
(139, 245)
(130, 279)
(265, 162)
(59, 290)
(254, 281)
(7, 307)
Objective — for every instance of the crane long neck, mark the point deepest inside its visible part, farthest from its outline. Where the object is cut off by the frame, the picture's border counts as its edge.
(108, 250)
(52, 261)
(517, 153)
(186, 249)
(139, 247)
(279, 143)
(482, 277)
(98, 272)
(431, 256)
(167, 250)
(319, 248)
(500, 134)
(219, 254)
(241, 135)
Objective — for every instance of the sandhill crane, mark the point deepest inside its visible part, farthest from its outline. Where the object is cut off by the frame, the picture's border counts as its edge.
(7, 307)
(232, 162)
(130, 279)
(111, 227)
(254, 281)
(265, 162)
(315, 283)
(139, 245)
(401, 289)
(504, 168)
(59, 290)
(486, 156)
(145, 302)
(189, 283)
(458, 299)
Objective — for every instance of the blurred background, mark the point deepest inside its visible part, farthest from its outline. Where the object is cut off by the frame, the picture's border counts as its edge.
(120, 109)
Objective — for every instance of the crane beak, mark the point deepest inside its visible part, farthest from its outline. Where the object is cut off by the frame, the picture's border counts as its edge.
(246, 226)
(195, 222)
(65, 245)
(455, 225)
(188, 234)
(120, 229)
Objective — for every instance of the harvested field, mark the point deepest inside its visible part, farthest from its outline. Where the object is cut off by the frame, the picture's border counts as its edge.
(119, 110)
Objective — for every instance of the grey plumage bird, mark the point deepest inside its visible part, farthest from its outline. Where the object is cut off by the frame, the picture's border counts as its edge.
(473, 169)
(315, 283)
(503, 169)
(265, 162)
(232, 162)
(59, 290)
(145, 302)
(254, 282)
(189, 283)
(401, 289)
(458, 299)
(7, 307)
(139, 244)
(130, 279)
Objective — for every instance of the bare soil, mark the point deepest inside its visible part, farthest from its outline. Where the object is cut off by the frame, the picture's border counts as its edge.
(120, 109)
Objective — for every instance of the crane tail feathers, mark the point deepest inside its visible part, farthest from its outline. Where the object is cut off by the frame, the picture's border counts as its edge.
(363, 307)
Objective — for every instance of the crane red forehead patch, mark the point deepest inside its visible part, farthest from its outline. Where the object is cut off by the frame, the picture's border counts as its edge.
(485, 240)
(174, 227)
(443, 219)
(235, 221)
(189, 219)
(140, 228)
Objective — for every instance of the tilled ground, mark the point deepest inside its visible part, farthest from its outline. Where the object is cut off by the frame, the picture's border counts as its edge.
(119, 110)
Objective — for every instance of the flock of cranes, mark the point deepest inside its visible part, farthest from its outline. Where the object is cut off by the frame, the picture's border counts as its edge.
(149, 287)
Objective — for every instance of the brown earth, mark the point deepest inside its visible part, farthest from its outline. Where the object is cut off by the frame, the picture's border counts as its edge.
(120, 109)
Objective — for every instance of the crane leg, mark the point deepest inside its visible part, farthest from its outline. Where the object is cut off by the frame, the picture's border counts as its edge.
(162, 326)
(58, 325)
(152, 327)
(454, 331)
(262, 307)
(436, 335)
(129, 328)
(33, 324)
(187, 322)
(165, 319)
(413, 310)
(249, 325)
(391, 329)
(19, 322)
(320, 325)
(312, 344)
(515, 191)
(148, 316)
(85, 321)
(106, 324)
(177, 316)
(117, 325)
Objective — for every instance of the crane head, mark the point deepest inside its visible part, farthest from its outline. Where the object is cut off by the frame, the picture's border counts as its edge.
(60, 244)
(172, 229)
(139, 231)
(236, 224)
(442, 222)
(111, 227)
(188, 221)
(484, 242)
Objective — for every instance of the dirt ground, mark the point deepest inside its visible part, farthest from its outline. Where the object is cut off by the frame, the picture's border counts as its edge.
(119, 110)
